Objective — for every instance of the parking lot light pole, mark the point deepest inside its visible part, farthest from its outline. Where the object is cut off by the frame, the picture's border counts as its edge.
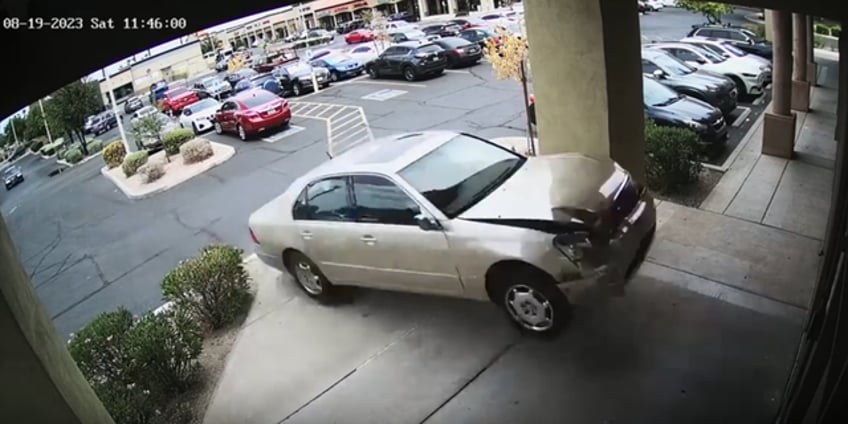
(115, 111)
(44, 118)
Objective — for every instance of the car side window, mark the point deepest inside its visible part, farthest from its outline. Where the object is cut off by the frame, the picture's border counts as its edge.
(648, 67)
(736, 36)
(327, 200)
(391, 51)
(228, 106)
(380, 201)
(685, 55)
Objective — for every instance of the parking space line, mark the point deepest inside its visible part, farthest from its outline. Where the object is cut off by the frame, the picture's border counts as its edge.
(329, 109)
(337, 133)
(339, 123)
(340, 116)
(456, 71)
(404, 84)
(339, 111)
(291, 130)
(739, 120)
(308, 109)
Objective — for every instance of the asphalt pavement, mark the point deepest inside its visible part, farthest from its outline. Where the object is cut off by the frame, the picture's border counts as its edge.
(89, 249)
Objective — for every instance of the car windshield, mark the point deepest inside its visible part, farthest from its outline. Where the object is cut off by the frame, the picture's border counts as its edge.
(750, 34)
(460, 173)
(656, 94)
(672, 65)
(335, 59)
(734, 50)
(711, 55)
(11, 171)
(257, 98)
(429, 48)
(208, 82)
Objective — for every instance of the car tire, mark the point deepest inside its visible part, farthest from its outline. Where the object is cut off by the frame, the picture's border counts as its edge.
(372, 72)
(531, 300)
(741, 91)
(409, 74)
(334, 77)
(194, 129)
(218, 128)
(242, 134)
(296, 89)
(309, 277)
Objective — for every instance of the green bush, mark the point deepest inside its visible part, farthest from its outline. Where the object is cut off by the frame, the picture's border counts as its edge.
(836, 31)
(136, 367)
(213, 286)
(47, 150)
(94, 146)
(196, 150)
(35, 146)
(133, 161)
(821, 29)
(673, 157)
(114, 154)
(174, 139)
(73, 156)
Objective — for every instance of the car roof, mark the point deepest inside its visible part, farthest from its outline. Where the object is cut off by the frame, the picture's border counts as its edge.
(671, 44)
(384, 155)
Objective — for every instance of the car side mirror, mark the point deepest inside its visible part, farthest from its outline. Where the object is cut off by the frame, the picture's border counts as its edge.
(658, 74)
(427, 222)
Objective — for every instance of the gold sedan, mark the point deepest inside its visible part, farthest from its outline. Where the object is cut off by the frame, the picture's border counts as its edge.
(452, 214)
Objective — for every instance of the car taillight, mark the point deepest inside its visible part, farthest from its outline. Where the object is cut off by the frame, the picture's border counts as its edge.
(253, 236)
(251, 114)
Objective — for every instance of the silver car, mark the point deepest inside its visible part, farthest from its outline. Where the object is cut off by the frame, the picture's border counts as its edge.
(451, 214)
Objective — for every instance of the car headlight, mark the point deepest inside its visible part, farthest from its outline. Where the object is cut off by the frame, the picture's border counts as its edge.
(765, 68)
(697, 126)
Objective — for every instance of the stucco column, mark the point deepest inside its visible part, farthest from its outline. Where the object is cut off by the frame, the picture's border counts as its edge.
(422, 8)
(800, 84)
(487, 5)
(451, 7)
(812, 67)
(40, 381)
(769, 18)
(779, 122)
(585, 59)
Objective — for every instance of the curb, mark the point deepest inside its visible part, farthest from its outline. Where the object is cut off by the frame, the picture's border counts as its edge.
(127, 191)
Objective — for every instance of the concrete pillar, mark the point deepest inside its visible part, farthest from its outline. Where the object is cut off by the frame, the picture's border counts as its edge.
(769, 18)
(422, 8)
(487, 5)
(800, 84)
(40, 381)
(841, 135)
(779, 122)
(812, 67)
(603, 114)
(451, 7)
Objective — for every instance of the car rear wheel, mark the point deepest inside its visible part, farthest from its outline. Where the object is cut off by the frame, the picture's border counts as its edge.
(241, 132)
(296, 89)
(334, 76)
(409, 73)
(308, 277)
(741, 91)
(372, 72)
(532, 301)
(218, 129)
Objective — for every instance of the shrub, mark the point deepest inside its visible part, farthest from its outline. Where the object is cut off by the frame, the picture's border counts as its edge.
(196, 150)
(133, 161)
(94, 146)
(151, 171)
(47, 150)
(835, 31)
(35, 146)
(213, 286)
(114, 154)
(176, 138)
(673, 157)
(73, 155)
(821, 29)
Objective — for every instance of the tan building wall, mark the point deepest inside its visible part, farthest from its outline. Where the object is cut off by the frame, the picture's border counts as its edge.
(175, 64)
(117, 80)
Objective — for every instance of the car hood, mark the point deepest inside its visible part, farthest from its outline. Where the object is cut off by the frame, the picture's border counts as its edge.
(200, 114)
(555, 188)
(182, 97)
(689, 108)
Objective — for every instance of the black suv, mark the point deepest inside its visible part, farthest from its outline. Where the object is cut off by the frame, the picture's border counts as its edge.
(443, 30)
(104, 122)
(715, 89)
(741, 37)
(408, 60)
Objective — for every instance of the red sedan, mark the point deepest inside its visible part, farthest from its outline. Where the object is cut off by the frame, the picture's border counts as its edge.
(359, 36)
(252, 112)
(176, 99)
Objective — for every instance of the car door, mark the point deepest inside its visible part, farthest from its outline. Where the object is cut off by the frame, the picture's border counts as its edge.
(227, 115)
(400, 254)
(398, 60)
(324, 218)
(384, 60)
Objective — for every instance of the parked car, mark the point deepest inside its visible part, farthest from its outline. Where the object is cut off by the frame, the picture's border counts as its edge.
(321, 34)
(89, 124)
(739, 36)
(399, 24)
(176, 99)
(251, 112)
(403, 16)
(12, 176)
(359, 36)
(266, 81)
(654, 5)
(222, 65)
(667, 107)
(145, 111)
(729, 50)
(715, 89)
(104, 122)
(480, 36)
(411, 34)
(364, 53)
(750, 78)
(642, 6)
(157, 91)
(133, 104)
(443, 30)
(239, 75)
(340, 66)
(153, 142)
(460, 51)
(277, 59)
(409, 60)
(200, 115)
(490, 225)
(346, 27)
(468, 22)
(296, 79)
(215, 86)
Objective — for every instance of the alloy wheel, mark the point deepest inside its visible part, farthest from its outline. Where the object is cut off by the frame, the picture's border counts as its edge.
(242, 134)
(296, 89)
(307, 278)
(334, 77)
(372, 72)
(218, 129)
(529, 308)
(409, 74)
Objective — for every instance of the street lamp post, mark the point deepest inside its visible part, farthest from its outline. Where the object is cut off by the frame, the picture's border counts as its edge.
(44, 118)
(14, 133)
(115, 111)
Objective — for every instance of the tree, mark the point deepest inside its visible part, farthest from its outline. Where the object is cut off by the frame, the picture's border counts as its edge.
(19, 129)
(147, 129)
(72, 104)
(509, 58)
(210, 44)
(379, 26)
(713, 11)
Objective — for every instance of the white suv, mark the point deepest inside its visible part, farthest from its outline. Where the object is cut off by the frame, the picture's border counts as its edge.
(728, 50)
(750, 77)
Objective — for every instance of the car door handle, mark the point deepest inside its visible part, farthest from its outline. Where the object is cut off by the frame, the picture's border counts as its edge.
(369, 240)
(307, 235)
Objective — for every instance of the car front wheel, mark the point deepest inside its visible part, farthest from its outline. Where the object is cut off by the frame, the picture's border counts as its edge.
(532, 301)
(241, 132)
(409, 74)
(218, 129)
(308, 277)
(372, 72)
(296, 89)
